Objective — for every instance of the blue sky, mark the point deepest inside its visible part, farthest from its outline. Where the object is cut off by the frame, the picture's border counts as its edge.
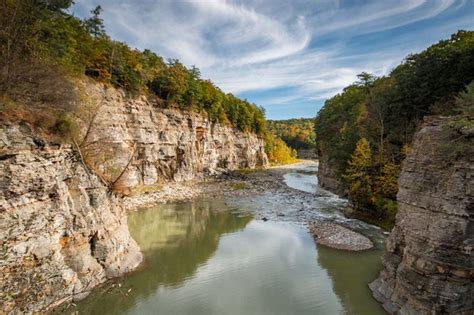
(285, 55)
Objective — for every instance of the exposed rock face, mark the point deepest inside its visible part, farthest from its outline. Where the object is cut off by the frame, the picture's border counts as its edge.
(61, 232)
(307, 154)
(326, 177)
(429, 265)
(170, 145)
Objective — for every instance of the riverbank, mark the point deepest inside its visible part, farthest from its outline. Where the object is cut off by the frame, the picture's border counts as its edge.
(239, 236)
(245, 182)
(294, 183)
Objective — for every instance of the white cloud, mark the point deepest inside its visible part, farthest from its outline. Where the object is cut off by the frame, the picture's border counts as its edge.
(249, 45)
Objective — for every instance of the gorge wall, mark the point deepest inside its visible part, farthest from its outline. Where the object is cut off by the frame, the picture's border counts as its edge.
(429, 265)
(168, 144)
(62, 230)
(326, 177)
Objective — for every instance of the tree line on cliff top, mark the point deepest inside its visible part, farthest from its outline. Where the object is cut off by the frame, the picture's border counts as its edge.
(364, 132)
(41, 44)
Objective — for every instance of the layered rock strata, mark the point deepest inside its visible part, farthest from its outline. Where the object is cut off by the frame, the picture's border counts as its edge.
(61, 231)
(166, 144)
(429, 264)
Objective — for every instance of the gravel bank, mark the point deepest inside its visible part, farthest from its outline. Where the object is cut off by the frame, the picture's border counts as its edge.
(336, 236)
(272, 199)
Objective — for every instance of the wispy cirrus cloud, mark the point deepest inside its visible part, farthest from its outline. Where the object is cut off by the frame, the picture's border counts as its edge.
(306, 49)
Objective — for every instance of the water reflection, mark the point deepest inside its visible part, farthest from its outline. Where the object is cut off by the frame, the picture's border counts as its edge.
(175, 239)
(208, 257)
(350, 273)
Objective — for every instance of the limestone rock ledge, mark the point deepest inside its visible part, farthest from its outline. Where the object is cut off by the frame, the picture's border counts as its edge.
(168, 144)
(61, 232)
(429, 264)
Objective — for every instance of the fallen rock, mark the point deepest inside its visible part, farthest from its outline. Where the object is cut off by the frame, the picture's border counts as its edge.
(336, 236)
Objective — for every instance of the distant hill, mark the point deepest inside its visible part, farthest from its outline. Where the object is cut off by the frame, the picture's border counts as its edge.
(298, 133)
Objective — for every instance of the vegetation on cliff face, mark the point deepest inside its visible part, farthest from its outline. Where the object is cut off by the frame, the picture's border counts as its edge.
(297, 133)
(42, 47)
(365, 131)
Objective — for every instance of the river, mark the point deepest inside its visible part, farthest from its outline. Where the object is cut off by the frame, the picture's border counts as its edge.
(217, 256)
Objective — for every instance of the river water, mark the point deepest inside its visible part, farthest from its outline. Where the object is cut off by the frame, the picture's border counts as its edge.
(218, 257)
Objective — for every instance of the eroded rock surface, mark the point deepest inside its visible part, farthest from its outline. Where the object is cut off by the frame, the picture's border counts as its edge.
(429, 264)
(167, 144)
(61, 232)
(326, 177)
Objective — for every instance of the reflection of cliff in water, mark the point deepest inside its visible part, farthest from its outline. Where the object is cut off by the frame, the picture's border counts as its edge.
(175, 239)
(351, 272)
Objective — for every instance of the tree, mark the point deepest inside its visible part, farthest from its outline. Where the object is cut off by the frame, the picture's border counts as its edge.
(366, 79)
(171, 84)
(387, 180)
(193, 93)
(95, 24)
(358, 175)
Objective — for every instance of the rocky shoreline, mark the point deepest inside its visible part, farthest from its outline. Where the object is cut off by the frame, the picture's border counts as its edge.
(250, 184)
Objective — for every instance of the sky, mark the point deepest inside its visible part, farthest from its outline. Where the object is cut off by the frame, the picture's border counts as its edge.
(287, 56)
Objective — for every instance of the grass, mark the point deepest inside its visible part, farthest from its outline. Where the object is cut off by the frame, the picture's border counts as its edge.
(239, 186)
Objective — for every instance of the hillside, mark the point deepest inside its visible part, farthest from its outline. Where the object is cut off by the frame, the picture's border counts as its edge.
(48, 51)
(365, 132)
(298, 133)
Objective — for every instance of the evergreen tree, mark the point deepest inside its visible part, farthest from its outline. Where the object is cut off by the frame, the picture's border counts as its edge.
(95, 24)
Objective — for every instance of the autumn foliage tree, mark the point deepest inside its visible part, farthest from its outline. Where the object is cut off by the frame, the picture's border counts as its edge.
(386, 112)
(43, 48)
(358, 174)
(278, 151)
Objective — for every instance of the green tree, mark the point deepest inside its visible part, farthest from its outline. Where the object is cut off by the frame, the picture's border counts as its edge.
(171, 84)
(95, 24)
(358, 175)
(193, 95)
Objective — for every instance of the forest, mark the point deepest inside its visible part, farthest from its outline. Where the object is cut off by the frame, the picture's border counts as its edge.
(365, 131)
(298, 133)
(44, 47)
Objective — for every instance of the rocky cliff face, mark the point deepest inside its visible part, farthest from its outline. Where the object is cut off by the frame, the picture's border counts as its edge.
(326, 177)
(61, 232)
(167, 144)
(429, 264)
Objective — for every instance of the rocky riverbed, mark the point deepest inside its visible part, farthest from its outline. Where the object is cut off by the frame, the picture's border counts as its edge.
(223, 244)
(282, 193)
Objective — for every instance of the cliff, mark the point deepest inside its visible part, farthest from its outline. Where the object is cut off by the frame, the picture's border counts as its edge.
(167, 144)
(62, 230)
(428, 267)
(326, 177)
